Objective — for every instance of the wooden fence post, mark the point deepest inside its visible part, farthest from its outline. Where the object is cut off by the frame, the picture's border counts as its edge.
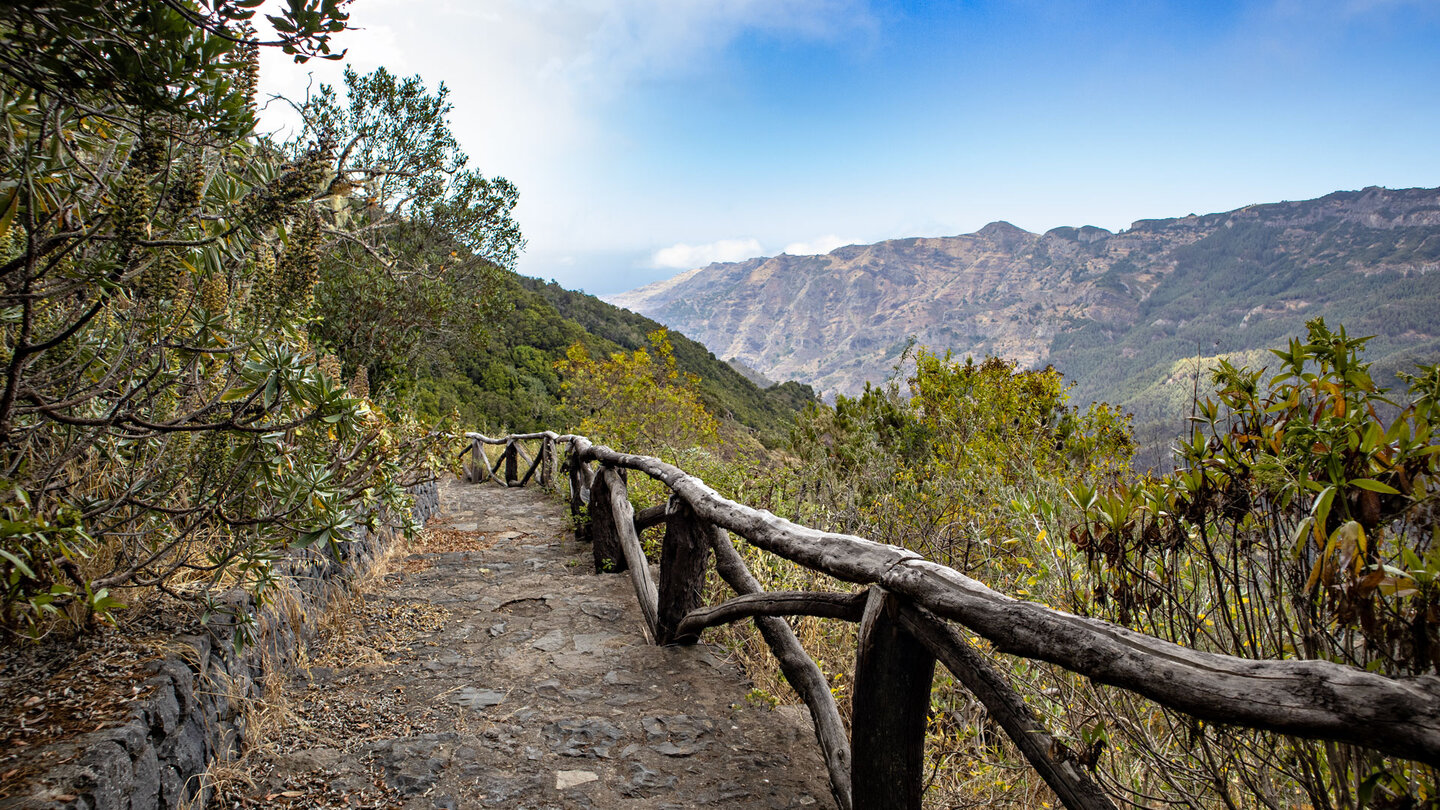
(893, 671)
(547, 462)
(604, 539)
(572, 474)
(1050, 758)
(684, 554)
(478, 465)
(511, 464)
(572, 467)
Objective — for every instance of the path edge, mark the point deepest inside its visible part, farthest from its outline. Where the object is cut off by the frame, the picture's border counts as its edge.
(193, 717)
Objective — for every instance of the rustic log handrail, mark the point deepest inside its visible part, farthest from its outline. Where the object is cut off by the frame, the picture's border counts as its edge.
(845, 606)
(911, 599)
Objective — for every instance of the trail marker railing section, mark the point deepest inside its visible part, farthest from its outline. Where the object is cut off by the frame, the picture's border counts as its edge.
(904, 628)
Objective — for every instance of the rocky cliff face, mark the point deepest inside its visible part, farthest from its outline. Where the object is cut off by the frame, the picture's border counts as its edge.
(1114, 311)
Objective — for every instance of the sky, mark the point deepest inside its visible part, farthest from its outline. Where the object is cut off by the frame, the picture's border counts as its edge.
(648, 137)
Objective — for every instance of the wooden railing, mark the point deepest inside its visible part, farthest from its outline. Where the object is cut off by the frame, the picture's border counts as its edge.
(904, 628)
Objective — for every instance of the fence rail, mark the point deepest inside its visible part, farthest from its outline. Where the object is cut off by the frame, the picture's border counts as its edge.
(904, 621)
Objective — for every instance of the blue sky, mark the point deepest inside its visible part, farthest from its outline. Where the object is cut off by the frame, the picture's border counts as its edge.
(651, 136)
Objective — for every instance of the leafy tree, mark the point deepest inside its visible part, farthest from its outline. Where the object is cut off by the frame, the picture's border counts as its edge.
(194, 60)
(163, 416)
(420, 241)
(639, 400)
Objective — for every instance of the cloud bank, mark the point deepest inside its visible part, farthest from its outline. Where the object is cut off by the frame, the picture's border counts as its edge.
(687, 257)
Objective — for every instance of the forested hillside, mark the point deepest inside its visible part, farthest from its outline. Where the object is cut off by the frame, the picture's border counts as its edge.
(510, 382)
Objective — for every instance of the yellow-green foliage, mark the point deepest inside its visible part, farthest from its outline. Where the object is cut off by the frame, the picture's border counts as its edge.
(638, 402)
(939, 471)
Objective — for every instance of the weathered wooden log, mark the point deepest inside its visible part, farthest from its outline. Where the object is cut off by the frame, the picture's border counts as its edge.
(511, 463)
(802, 674)
(534, 465)
(1316, 699)
(844, 606)
(889, 709)
(519, 437)
(650, 516)
(547, 462)
(469, 474)
(684, 556)
(1048, 756)
(604, 538)
(578, 517)
(525, 454)
(587, 480)
(495, 469)
(622, 519)
(482, 463)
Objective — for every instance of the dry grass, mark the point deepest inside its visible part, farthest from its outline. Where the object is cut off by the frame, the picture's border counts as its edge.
(971, 762)
(353, 631)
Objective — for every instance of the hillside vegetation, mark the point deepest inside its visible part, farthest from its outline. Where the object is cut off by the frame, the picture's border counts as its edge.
(1299, 524)
(511, 381)
(218, 346)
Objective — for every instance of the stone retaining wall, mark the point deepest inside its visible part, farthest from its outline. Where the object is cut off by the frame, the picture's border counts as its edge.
(193, 714)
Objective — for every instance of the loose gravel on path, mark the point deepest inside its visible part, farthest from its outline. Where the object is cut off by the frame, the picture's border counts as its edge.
(494, 670)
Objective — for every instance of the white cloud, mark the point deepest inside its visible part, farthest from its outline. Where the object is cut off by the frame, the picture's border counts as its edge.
(817, 246)
(686, 257)
(534, 84)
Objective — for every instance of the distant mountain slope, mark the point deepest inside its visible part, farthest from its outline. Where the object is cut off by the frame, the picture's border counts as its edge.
(513, 385)
(1113, 311)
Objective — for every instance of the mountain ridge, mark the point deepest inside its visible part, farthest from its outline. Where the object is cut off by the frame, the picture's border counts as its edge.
(1112, 311)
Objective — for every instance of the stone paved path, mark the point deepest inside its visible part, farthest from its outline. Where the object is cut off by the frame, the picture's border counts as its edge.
(504, 674)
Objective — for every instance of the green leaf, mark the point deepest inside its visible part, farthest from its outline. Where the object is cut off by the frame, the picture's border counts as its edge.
(1299, 538)
(237, 393)
(1374, 486)
(1367, 787)
(18, 563)
(1321, 511)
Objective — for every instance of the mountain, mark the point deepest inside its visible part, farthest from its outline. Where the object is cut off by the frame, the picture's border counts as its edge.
(1118, 313)
(512, 384)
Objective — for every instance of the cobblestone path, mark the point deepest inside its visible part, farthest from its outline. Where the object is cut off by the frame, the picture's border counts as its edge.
(494, 670)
